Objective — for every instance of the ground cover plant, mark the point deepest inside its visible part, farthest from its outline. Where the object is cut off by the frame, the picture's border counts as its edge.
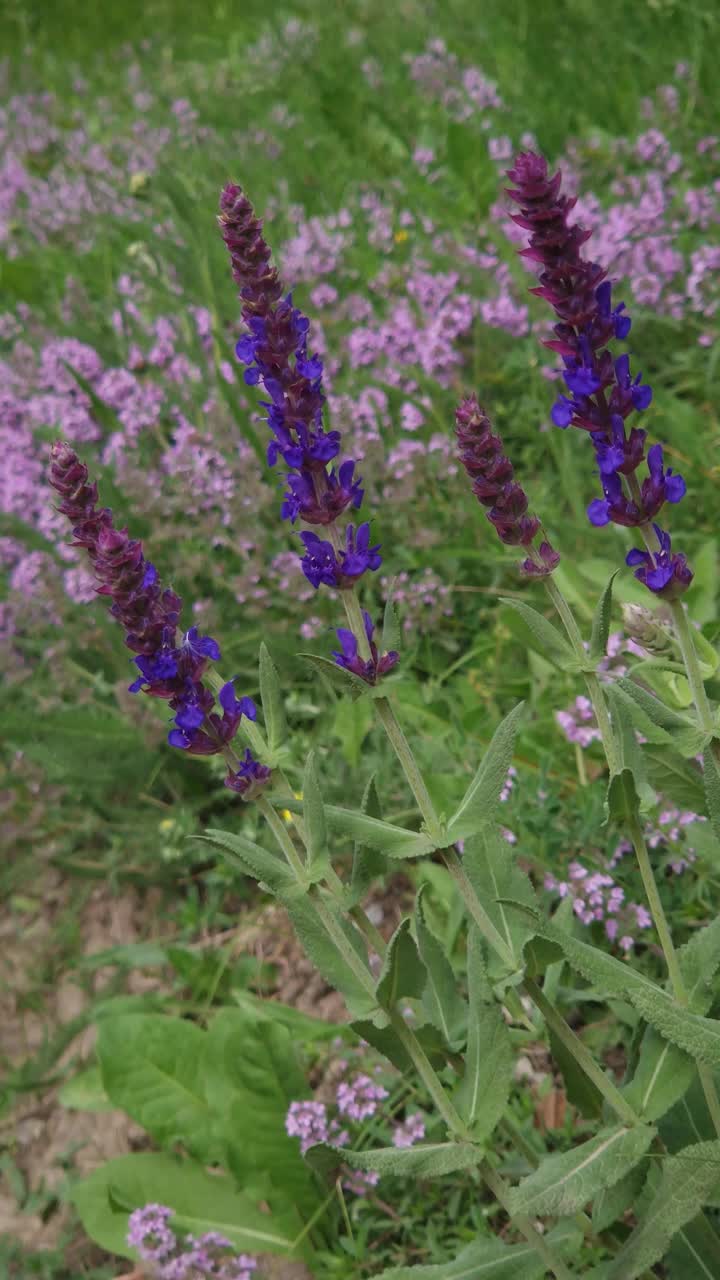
(312, 455)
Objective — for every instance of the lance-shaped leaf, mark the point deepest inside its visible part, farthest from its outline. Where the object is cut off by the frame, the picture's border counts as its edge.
(662, 1075)
(391, 629)
(272, 701)
(483, 795)
(699, 962)
(688, 1121)
(487, 1259)
(629, 789)
(252, 859)
(490, 865)
(657, 722)
(687, 1180)
(314, 818)
(711, 776)
(565, 1183)
(368, 864)
(581, 1091)
(695, 1251)
(442, 1001)
(612, 1202)
(698, 1036)
(396, 842)
(426, 1160)
(549, 641)
(388, 1043)
(601, 622)
(678, 780)
(611, 976)
(402, 973)
(326, 955)
(339, 680)
(481, 1097)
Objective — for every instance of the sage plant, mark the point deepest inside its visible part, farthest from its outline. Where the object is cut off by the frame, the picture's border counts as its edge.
(453, 1036)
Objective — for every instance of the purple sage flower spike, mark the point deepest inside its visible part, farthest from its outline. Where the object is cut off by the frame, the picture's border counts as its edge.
(348, 656)
(602, 391)
(275, 353)
(169, 666)
(481, 452)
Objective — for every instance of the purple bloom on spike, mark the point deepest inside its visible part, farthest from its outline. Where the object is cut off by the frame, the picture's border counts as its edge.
(348, 657)
(319, 563)
(249, 778)
(666, 574)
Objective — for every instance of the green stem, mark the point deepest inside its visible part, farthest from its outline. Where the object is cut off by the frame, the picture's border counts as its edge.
(501, 1191)
(282, 835)
(580, 1052)
(476, 909)
(683, 630)
(656, 907)
(415, 780)
(429, 1077)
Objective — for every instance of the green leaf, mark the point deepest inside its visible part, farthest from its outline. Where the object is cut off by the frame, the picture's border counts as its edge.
(629, 790)
(483, 795)
(85, 1092)
(326, 957)
(402, 973)
(711, 776)
(340, 680)
(698, 1036)
(152, 1068)
(601, 623)
(695, 1252)
(368, 864)
(482, 1095)
(550, 642)
(302, 1026)
(699, 962)
(251, 1077)
(273, 704)
(484, 1259)
(426, 1160)
(489, 862)
(388, 1043)
(688, 1121)
(314, 818)
(396, 842)
(201, 1202)
(611, 976)
(612, 1202)
(662, 1075)
(581, 1091)
(678, 780)
(565, 1183)
(442, 1001)
(391, 636)
(687, 1180)
(654, 709)
(352, 722)
(252, 859)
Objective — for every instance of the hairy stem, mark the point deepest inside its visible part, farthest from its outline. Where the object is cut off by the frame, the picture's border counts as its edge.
(501, 1191)
(684, 634)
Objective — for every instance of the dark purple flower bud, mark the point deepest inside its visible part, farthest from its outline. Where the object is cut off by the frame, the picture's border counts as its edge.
(250, 777)
(481, 454)
(303, 500)
(199, 729)
(348, 657)
(547, 560)
(666, 574)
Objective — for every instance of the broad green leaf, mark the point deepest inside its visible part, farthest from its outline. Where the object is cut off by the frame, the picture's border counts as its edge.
(565, 1183)
(695, 1252)
(637, 714)
(601, 623)
(314, 819)
(426, 1160)
(711, 776)
(201, 1202)
(301, 1025)
(699, 962)
(483, 795)
(252, 859)
(550, 642)
(489, 862)
(612, 1202)
(662, 1075)
(442, 1001)
(482, 1095)
(251, 1077)
(653, 708)
(698, 1036)
(85, 1092)
(488, 1259)
(580, 1090)
(396, 842)
(368, 864)
(325, 955)
(403, 973)
(614, 977)
(687, 1180)
(676, 779)
(152, 1068)
(388, 1043)
(272, 701)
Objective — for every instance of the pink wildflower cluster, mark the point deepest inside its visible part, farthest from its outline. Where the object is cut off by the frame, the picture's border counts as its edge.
(597, 898)
(669, 833)
(172, 1257)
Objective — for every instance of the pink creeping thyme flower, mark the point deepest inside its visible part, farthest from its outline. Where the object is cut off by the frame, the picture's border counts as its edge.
(307, 1121)
(411, 1130)
(494, 485)
(207, 1257)
(359, 1097)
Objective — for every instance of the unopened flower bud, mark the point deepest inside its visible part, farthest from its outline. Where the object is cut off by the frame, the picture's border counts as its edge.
(647, 629)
